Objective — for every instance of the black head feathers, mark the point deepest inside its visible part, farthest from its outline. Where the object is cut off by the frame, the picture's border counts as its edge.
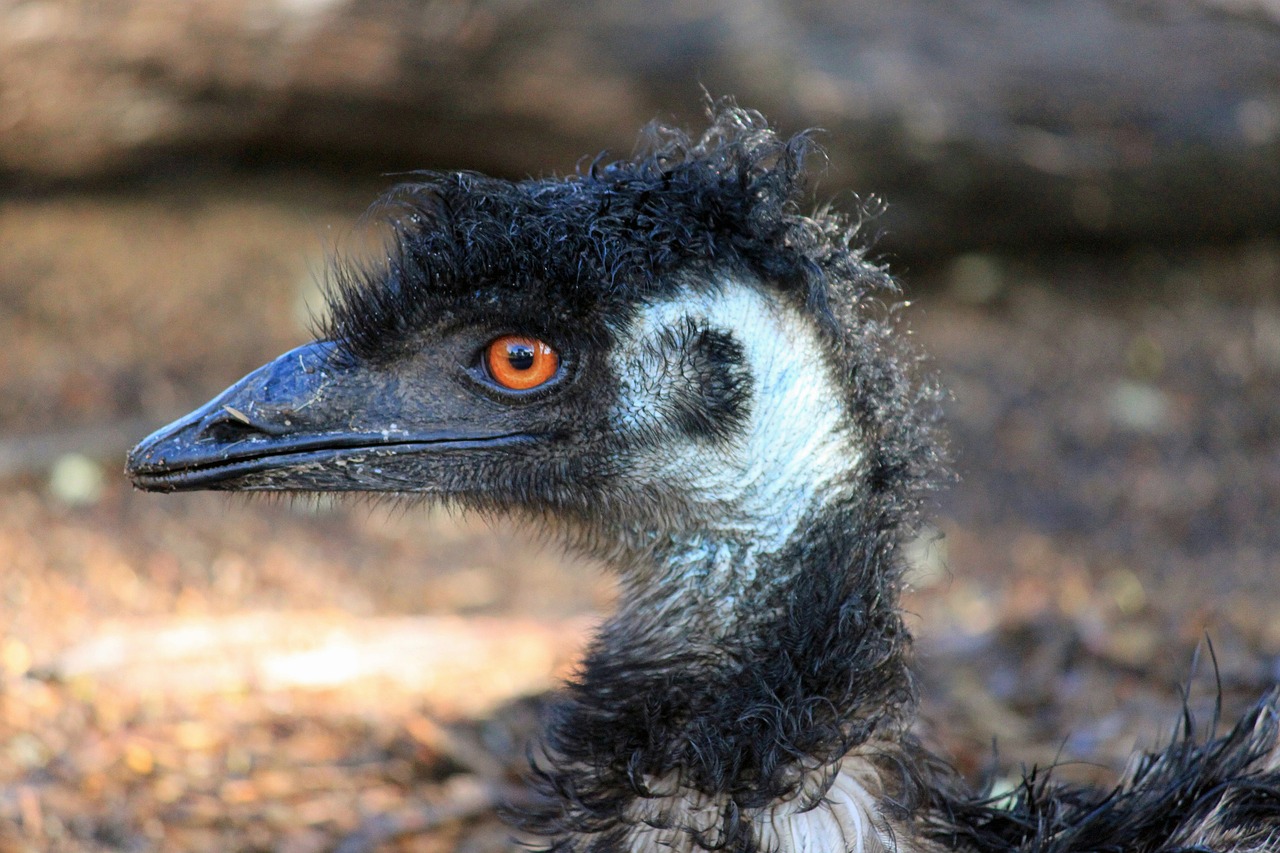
(601, 239)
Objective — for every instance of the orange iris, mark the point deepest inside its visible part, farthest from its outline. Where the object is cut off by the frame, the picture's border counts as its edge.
(520, 363)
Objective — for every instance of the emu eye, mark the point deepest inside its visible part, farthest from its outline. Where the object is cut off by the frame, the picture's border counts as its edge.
(519, 363)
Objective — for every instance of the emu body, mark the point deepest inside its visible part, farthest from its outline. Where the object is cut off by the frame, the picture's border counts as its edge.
(733, 422)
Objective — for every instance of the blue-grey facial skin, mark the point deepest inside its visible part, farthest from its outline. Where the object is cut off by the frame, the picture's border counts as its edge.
(311, 420)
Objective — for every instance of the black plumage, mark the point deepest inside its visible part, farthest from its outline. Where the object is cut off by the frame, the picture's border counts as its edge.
(596, 243)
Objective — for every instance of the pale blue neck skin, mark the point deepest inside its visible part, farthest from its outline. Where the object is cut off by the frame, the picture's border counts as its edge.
(742, 500)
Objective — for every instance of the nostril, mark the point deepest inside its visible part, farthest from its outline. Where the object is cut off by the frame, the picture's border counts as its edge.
(231, 424)
(226, 430)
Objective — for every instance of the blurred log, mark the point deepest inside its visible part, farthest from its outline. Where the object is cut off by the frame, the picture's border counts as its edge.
(980, 121)
(452, 665)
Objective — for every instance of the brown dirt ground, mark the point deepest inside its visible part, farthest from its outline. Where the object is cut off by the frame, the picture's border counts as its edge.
(206, 673)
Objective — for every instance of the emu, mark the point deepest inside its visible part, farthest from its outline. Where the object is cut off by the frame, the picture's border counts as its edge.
(668, 364)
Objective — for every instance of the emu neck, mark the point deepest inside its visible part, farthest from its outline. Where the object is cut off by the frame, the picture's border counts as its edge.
(758, 642)
(766, 571)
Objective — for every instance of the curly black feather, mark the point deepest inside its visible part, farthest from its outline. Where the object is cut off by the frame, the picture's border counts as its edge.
(1193, 796)
(604, 239)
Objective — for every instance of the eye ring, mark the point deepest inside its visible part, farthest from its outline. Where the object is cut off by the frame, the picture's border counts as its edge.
(520, 363)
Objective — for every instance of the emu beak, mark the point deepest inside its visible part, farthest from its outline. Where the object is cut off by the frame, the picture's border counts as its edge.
(311, 422)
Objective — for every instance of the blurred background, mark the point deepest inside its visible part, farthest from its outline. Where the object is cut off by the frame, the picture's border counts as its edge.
(1083, 203)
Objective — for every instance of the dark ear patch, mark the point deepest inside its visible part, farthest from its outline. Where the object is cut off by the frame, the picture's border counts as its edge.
(715, 399)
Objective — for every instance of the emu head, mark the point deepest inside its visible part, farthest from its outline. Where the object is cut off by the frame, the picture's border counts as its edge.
(656, 350)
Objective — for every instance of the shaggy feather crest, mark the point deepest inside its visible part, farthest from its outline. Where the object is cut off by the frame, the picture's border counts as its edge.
(605, 237)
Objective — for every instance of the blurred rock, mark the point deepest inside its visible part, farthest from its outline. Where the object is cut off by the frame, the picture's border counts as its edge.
(1139, 407)
(981, 122)
(76, 480)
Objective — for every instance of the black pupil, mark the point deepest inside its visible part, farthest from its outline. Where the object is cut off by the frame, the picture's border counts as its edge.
(520, 356)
